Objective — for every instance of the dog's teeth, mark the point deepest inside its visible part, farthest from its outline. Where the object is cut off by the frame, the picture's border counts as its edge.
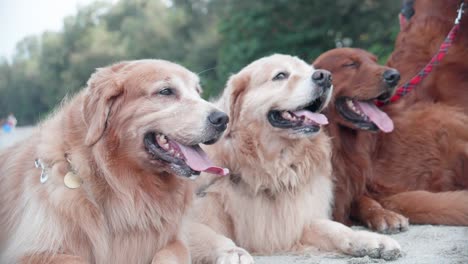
(286, 115)
(163, 139)
(358, 111)
(165, 146)
(171, 151)
(353, 107)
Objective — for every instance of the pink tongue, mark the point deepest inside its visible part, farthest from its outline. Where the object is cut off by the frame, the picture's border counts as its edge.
(316, 117)
(197, 159)
(378, 117)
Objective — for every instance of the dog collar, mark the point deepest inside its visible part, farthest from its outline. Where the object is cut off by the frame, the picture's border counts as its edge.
(71, 179)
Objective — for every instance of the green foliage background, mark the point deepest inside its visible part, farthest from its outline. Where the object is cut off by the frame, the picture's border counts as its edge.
(212, 37)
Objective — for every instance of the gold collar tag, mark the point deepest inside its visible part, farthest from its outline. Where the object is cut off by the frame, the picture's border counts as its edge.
(72, 181)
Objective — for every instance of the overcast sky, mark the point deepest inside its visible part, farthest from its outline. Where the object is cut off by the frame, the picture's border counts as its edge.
(20, 18)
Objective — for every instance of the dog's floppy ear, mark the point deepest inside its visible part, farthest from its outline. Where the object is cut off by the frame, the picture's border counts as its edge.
(104, 87)
(236, 87)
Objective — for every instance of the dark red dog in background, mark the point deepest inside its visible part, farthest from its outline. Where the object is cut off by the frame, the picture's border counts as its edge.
(424, 26)
(418, 171)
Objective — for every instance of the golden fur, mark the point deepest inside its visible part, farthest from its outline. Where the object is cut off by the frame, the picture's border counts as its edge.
(279, 195)
(130, 208)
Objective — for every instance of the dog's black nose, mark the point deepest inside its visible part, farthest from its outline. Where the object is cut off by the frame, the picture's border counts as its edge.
(219, 120)
(322, 78)
(391, 77)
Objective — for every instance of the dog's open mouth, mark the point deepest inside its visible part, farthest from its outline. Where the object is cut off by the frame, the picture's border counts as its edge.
(364, 114)
(183, 160)
(304, 120)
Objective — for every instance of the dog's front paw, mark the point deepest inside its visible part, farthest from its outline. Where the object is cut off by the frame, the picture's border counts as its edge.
(387, 222)
(234, 255)
(374, 245)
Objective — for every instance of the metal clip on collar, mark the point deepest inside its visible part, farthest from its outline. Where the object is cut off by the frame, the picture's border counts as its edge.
(44, 176)
(460, 12)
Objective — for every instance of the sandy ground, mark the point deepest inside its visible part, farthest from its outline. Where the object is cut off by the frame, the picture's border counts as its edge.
(421, 244)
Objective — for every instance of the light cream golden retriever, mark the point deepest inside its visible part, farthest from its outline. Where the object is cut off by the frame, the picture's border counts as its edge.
(279, 195)
(110, 185)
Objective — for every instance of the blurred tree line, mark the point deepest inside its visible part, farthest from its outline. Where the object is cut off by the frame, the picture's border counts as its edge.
(212, 37)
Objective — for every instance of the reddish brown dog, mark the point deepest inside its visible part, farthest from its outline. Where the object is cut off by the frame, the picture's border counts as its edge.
(420, 38)
(418, 171)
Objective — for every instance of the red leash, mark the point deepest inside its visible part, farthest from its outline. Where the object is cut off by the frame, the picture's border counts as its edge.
(416, 80)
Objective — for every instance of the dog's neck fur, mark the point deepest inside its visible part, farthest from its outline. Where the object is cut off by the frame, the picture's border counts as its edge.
(280, 165)
(353, 148)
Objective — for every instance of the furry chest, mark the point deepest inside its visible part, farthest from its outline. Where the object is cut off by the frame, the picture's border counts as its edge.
(271, 225)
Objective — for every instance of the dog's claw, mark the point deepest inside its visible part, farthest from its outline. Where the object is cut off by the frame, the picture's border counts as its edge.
(387, 222)
(374, 246)
(235, 255)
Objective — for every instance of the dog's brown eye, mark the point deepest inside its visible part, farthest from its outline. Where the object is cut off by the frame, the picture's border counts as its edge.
(166, 91)
(281, 76)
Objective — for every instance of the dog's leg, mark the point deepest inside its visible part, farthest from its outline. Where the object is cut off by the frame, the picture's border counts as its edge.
(210, 231)
(174, 253)
(369, 212)
(51, 259)
(423, 207)
(207, 246)
(333, 236)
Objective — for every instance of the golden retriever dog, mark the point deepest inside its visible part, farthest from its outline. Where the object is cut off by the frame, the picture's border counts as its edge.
(425, 26)
(110, 183)
(407, 163)
(279, 195)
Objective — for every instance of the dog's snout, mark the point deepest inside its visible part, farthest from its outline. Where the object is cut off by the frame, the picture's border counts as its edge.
(322, 78)
(391, 77)
(219, 120)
